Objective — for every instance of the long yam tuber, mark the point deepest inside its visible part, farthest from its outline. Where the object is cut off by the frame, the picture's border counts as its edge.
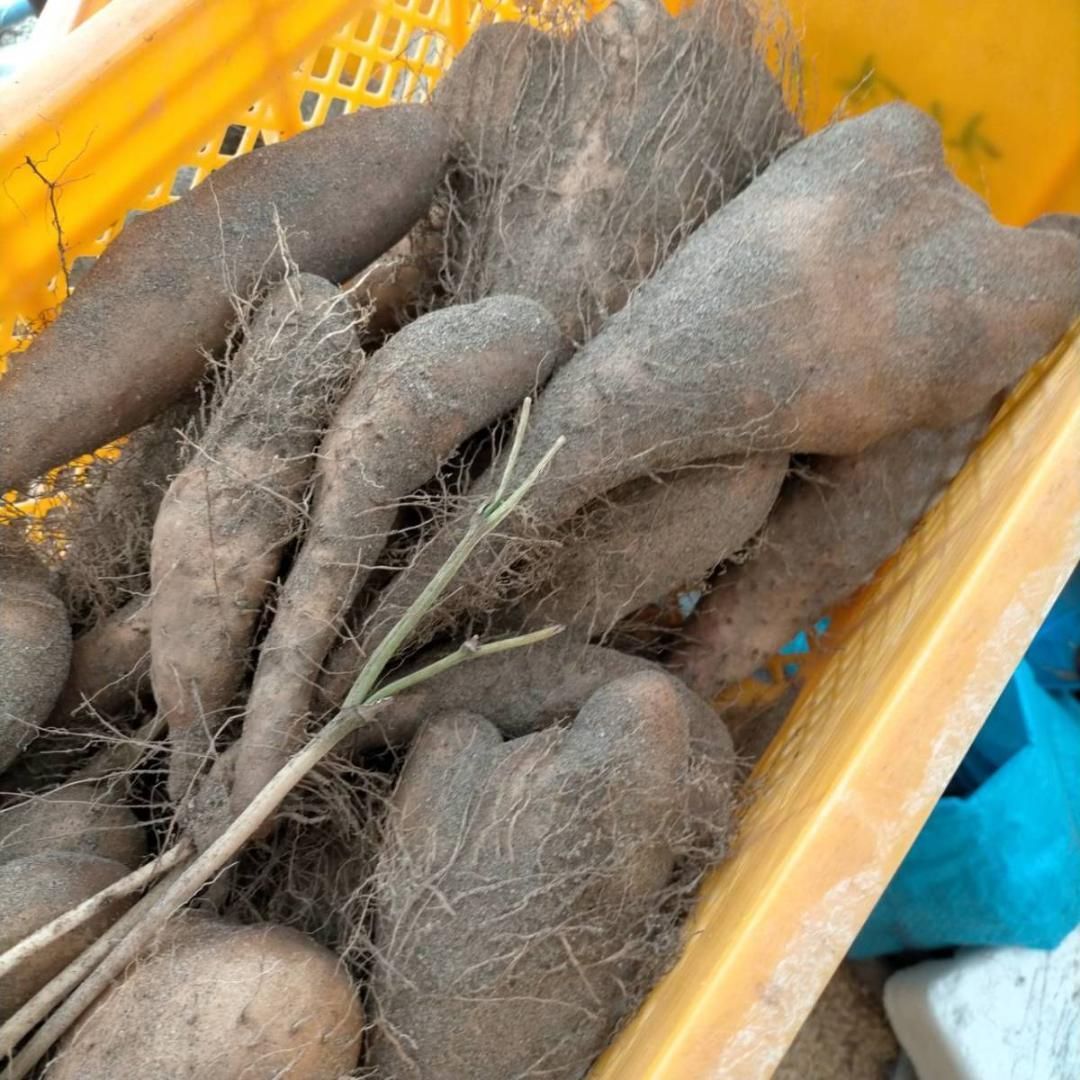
(442, 378)
(652, 536)
(827, 536)
(228, 515)
(133, 337)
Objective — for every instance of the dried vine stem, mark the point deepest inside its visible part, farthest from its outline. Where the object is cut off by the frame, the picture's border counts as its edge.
(63, 924)
(29, 1016)
(361, 705)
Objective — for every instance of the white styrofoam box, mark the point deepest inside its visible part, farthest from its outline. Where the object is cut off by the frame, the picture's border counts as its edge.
(991, 1014)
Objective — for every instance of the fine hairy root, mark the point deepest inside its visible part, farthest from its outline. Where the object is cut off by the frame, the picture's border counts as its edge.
(401, 284)
(442, 378)
(227, 516)
(830, 531)
(85, 815)
(583, 159)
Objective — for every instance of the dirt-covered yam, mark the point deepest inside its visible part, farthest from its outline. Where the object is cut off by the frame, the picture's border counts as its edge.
(85, 815)
(36, 889)
(110, 669)
(526, 872)
(832, 528)
(35, 645)
(228, 515)
(651, 537)
(823, 309)
(854, 291)
(444, 377)
(584, 159)
(221, 1002)
(134, 336)
(104, 529)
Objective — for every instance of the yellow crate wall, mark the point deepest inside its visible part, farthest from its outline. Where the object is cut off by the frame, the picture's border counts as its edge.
(142, 133)
(391, 50)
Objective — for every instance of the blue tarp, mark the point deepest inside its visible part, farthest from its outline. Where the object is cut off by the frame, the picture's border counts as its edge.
(14, 11)
(1055, 652)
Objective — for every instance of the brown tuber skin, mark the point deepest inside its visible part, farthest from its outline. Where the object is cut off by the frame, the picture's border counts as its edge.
(516, 883)
(221, 1002)
(85, 816)
(399, 284)
(520, 691)
(584, 159)
(106, 526)
(820, 311)
(827, 536)
(132, 338)
(220, 533)
(439, 380)
(110, 669)
(823, 309)
(36, 889)
(652, 537)
(35, 645)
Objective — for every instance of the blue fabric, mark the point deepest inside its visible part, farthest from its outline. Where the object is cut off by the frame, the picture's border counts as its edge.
(14, 11)
(998, 862)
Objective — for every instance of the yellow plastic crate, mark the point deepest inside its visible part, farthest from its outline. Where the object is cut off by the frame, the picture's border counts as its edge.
(149, 95)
